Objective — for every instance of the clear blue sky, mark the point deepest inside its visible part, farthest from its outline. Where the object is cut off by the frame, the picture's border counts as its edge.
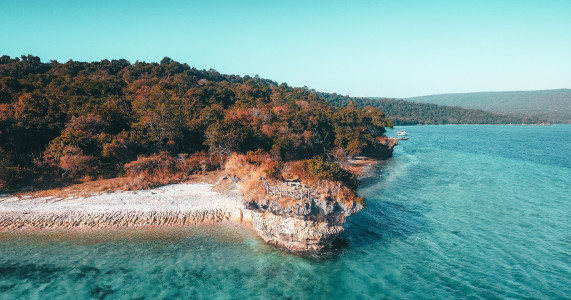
(359, 48)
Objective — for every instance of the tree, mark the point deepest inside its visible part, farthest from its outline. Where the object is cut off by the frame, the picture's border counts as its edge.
(80, 118)
(220, 141)
(159, 116)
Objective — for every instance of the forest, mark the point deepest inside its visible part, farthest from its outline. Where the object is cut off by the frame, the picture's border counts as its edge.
(550, 105)
(402, 112)
(81, 121)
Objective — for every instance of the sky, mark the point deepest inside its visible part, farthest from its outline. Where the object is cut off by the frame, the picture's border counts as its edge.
(359, 48)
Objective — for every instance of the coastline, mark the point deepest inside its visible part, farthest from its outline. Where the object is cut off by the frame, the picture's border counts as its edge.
(292, 225)
(180, 204)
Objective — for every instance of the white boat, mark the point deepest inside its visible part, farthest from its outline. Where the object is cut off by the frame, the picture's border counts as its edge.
(401, 133)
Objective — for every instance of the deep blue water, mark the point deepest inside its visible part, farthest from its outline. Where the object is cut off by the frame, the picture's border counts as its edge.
(480, 212)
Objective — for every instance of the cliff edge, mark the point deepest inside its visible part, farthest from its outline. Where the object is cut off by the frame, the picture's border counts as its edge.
(295, 213)
(309, 224)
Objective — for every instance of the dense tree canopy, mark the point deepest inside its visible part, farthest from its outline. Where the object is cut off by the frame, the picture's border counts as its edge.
(77, 119)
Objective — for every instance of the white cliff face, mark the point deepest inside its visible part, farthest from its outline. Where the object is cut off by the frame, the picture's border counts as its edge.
(293, 233)
(300, 226)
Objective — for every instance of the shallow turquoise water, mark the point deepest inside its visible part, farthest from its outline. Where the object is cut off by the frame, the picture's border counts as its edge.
(459, 212)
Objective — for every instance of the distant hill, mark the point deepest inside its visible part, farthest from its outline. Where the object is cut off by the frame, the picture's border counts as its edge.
(551, 105)
(402, 112)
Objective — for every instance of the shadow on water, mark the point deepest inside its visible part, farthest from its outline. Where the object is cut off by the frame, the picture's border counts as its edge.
(39, 273)
(381, 222)
(383, 219)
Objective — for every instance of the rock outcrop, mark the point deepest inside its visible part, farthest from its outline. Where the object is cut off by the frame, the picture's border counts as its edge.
(384, 149)
(304, 226)
(301, 214)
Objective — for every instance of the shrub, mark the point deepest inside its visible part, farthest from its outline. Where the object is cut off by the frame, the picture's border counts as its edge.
(118, 148)
(162, 168)
(272, 169)
(76, 163)
(320, 169)
(199, 162)
(14, 177)
(156, 164)
(249, 169)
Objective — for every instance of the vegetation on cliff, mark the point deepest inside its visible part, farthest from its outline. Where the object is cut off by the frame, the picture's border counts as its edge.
(316, 172)
(77, 121)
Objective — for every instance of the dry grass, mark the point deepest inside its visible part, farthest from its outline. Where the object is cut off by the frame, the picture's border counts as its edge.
(161, 169)
(208, 177)
(225, 186)
(145, 173)
(250, 168)
(117, 184)
(82, 189)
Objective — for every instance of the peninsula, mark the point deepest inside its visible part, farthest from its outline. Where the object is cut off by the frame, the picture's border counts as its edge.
(307, 222)
(283, 153)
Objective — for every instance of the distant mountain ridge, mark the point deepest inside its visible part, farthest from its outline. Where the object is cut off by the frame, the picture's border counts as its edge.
(402, 112)
(551, 105)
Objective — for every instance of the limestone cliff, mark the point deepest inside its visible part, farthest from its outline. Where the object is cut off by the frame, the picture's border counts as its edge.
(305, 212)
(300, 225)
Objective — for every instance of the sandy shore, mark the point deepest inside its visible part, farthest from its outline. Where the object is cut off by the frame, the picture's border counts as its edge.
(177, 204)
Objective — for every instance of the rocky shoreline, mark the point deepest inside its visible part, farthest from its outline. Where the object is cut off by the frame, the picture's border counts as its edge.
(86, 220)
(171, 205)
(307, 225)
(310, 229)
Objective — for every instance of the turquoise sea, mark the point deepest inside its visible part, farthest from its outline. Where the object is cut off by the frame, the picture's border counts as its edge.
(460, 212)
